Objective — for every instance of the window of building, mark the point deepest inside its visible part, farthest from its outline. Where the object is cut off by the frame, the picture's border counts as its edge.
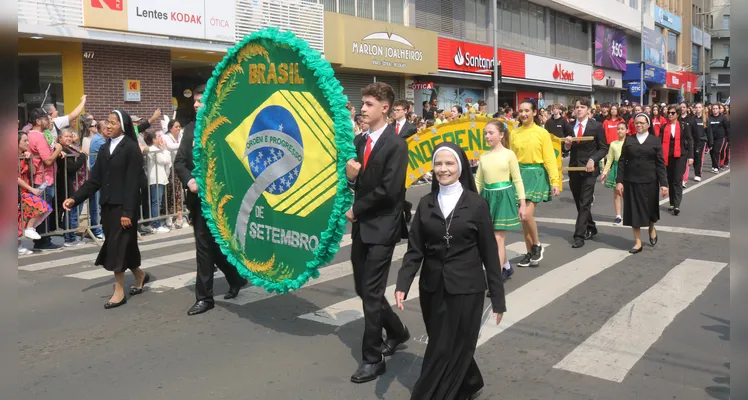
(569, 37)
(672, 47)
(522, 26)
(381, 10)
(39, 80)
(723, 79)
(695, 58)
(476, 20)
(726, 21)
(634, 4)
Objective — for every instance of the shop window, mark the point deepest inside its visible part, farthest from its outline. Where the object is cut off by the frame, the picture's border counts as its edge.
(695, 58)
(723, 79)
(569, 37)
(521, 26)
(672, 47)
(39, 81)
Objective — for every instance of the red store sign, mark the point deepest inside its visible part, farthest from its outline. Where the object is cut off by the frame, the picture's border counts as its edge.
(469, 57)
(421, 85)
(674, 80)
(559, 73)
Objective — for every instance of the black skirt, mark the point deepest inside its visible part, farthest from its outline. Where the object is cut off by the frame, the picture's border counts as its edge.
(453, 324)
(641, 205)
(120, 251)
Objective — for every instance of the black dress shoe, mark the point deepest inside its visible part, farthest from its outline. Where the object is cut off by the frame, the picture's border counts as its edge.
(676, 211)
(590, 234)
(138, 290)
(634, 250)
(368, 372)
(577, 243)
(390, 345)
(200, 307)
(110, 305)
(653, 240)
(234, 290)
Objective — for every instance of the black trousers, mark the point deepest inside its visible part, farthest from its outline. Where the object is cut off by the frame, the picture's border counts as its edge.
(582, 187)
(676, 167)
(698, 156)
(371, 267)
(717, 151)
(208, 255)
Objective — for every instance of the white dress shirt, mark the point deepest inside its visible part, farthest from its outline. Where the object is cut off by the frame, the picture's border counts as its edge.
(583, 124)
(399, 125)
(672, 130)
(375, 135)
(115, 141)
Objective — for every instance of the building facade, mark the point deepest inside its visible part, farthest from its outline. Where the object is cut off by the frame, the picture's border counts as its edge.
(719, 26)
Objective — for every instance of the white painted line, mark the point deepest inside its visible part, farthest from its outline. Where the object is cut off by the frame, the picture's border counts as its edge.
(145, 264)
(672, 229)
(698, 185)
(351, 309)
(541, 291)
(91, 257)
(612, 351)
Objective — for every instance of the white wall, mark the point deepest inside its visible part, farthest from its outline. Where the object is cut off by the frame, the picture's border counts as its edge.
(611, 12)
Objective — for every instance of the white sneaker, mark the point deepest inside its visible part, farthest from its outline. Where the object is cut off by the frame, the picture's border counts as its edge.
(685, 183)
(73, 244)
(22, 251)
(162, 229)
(715, 171)
(31, 234)
(697, 178)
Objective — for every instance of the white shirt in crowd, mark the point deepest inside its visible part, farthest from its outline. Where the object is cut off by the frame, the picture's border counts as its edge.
(159, 165)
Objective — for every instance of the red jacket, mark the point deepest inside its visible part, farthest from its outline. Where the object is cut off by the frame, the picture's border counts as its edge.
(657, 123)
(610, 126)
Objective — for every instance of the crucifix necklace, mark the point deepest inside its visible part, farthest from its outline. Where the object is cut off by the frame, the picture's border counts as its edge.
(447, 236)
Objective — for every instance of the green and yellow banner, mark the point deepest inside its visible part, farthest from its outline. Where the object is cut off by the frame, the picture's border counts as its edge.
(271, 145)
(467, 132)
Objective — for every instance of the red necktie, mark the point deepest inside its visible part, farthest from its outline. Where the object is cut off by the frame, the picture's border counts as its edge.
(367, 151)
(397, 128)
(580, 131)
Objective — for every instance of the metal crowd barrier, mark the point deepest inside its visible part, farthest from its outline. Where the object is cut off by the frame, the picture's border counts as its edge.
(85, 219)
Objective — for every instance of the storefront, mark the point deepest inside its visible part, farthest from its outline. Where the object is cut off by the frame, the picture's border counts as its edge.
(654, 79)
(363, 51)
(558, 81)
(607, 85)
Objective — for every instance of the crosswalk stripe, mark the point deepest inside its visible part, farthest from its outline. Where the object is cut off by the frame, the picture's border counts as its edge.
(62, 262)
(612, 351)
(254, 294)
(351, 309)
(145, 264)
(541, 291)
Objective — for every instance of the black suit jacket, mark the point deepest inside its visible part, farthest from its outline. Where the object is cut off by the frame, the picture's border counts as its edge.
(595, 150)
(642, 163)
(686, 136)
(380, 190)
(184, 165)
(472, 246)
(407, 129)
(118, 177)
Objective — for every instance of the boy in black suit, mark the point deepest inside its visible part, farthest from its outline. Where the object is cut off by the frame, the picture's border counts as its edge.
(377, 176)
(585, 154)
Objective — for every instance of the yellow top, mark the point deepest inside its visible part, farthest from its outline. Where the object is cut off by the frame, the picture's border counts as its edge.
(614, 153)
(532, 145)
(498, 166)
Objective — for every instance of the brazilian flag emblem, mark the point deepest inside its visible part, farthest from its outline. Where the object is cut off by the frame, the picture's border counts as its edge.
(271, 145)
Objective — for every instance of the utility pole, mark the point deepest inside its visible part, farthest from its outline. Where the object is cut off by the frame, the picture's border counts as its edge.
(494, 41)
(641, 64)
(703, 59)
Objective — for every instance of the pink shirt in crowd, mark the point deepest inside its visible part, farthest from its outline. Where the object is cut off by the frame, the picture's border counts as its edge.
(38, 147)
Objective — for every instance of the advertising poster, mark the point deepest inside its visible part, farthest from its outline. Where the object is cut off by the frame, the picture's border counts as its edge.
(610, 47)
(654, 47)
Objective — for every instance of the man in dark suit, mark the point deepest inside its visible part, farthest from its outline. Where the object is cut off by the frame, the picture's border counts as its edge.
(377, 176)
(404, 129)
(208, 252)
(586, 154)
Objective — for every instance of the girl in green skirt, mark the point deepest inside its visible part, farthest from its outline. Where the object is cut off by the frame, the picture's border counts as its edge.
(610, 171)
(492, 179)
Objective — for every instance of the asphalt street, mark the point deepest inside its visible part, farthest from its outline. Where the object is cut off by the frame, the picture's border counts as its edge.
(588, 323)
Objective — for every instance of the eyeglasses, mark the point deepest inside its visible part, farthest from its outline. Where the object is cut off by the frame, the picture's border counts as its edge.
(112, 123)
(672, 113)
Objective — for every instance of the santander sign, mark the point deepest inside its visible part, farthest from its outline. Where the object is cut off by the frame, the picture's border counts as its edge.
(470, 60)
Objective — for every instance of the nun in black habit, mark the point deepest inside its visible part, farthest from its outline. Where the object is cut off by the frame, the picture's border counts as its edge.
(451, 239)
(117, 174)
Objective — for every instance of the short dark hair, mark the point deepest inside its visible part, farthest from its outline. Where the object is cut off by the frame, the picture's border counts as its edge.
(199, 90)
(583, 101)
(425, 103)
(459, 108)
(401, 103)
(149, 137)
(380, 91)
(37, 114)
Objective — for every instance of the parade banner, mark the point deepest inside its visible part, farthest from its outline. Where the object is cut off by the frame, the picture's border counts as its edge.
(270, 149)
(467, 132)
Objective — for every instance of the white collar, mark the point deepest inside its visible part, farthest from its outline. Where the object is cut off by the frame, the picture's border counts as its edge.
(449, 196)
(376, 134)
(641, 137)
(116, 140)
(401, 121)
(451, 189)
(584, 122)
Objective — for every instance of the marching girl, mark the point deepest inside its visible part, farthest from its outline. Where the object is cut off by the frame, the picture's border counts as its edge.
(657, 120)
(33, 210)
(537, 165)
(610, 125)
(492, 179)
(610, 171)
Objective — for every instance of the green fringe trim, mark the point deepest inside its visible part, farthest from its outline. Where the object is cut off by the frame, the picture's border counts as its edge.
(329, 239)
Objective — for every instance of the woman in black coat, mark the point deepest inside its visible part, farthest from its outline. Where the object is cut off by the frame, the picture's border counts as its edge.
(452, 236)
(117, 173)
(677, 151)
(641, 172)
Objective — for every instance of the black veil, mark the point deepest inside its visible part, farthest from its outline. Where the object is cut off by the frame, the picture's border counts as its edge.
(466, 176)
